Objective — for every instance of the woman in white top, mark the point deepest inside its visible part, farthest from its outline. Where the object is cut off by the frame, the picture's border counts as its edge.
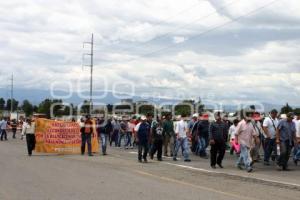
(29, 131)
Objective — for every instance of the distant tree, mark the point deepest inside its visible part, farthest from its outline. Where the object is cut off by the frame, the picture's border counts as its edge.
(46, 105)
(85, 108)
(2, 104)
(286, 109)
(297, 111)
(15, 104)
(27, 107)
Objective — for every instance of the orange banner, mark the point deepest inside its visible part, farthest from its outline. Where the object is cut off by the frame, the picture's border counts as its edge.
(60, 137)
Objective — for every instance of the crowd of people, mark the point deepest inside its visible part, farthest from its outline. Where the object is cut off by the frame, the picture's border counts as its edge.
(248, 137)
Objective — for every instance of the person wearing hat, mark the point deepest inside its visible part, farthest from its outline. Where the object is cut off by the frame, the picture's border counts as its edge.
(192, 130)
(270, 125)
(285, 138)
(246, 136)
(142, 138)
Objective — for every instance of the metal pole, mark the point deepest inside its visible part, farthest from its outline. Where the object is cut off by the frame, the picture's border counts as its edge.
(91, 80)
(12, 93)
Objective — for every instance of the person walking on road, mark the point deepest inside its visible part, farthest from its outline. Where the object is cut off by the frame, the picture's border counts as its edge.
(3, 127)
(14, 126)
(297, 146)
(168, 135)
(87, 136)
(29, 130)
(285, 138)
(245, 136)
(218, 132)
(157, 137)
(270, 125)
(182, 140)
(142, 138)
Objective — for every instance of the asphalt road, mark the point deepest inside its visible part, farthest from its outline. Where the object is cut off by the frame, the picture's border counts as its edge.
(120, 176)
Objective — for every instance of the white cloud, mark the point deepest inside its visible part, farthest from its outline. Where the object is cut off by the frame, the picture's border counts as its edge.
(41, 42)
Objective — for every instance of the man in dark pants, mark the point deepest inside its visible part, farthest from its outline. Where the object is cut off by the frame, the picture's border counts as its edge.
(286, 138)
(143, 131)
(217, 139)
(87, 136)
(156, 135)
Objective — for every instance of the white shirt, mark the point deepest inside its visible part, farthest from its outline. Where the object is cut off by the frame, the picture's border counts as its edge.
(28, 129)
(269, 125)
(3, 124)
(232, 131)
(181, 129)
(297, 124)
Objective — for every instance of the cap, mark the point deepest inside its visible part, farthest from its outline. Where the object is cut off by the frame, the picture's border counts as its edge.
(290, 115)
(195, 115)
(257, 116)
(143, 118)
(205, 116)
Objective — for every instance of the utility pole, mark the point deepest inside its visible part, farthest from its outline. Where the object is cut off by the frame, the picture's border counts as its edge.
(12, 93)
(91, 54)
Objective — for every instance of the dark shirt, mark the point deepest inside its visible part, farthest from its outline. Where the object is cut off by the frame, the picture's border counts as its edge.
(287, 131)
(143, 133)
(168, 128)
(218, 131)
(157, 133)
(203, 128)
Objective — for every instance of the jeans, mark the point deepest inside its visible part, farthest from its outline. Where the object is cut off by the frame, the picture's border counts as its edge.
(128, 137)
(86, 138)
(270, 147)
(184, 144)
(30, 140)
(121, 136)
(217, 153)
(142, 151)
(285, 152)
(104, 138)
(297, 152)
(244, 157)
(3, 134)
(201, 147)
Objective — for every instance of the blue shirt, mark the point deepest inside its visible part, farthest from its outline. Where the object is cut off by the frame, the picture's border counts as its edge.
(287, 131)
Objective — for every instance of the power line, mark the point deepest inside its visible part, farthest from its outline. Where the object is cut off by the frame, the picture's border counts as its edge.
(207, 31)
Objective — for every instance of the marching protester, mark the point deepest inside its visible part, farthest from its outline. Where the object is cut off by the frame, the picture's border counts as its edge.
(217, 138)
(202, 135)
(285, 139)
(104, 129)
(3, 127)
(296, 157)
(270, 125)
(122, 132)
(157, 137)
(169, 135)
(14, 126)
(182, 141)
(192, 131)
(129, 133)
(115, 133)
(142, 138)
(246, 136)
(86, 136)
(28, 129)
(235, 147)
(258, 128)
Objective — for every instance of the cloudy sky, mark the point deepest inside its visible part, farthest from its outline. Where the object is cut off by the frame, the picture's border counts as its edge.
(221, 50)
